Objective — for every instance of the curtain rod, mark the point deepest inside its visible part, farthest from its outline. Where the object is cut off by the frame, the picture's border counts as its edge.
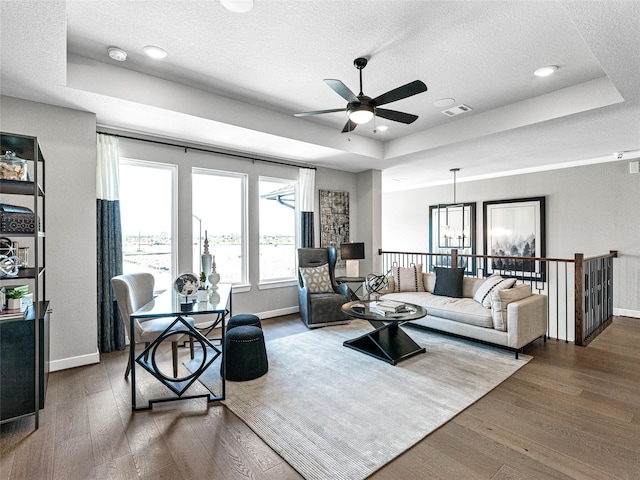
(206, 150)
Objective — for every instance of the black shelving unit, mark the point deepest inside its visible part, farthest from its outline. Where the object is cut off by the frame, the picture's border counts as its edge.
(24, 342)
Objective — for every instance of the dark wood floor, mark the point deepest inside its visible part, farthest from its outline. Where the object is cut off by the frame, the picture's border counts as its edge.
(572, 412)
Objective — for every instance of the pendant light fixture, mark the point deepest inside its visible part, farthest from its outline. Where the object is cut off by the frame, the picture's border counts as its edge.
(453, 232)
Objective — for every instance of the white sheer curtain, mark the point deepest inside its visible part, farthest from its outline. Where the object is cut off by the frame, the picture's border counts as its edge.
(111, 333)
(307, 179)
(107, 176)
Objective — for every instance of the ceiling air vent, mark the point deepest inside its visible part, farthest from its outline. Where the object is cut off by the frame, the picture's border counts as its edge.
(452, 112)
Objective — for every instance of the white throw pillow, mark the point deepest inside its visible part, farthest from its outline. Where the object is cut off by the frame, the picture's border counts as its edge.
(501, 298)
(408, 279)
(317, 279)
(492, 284)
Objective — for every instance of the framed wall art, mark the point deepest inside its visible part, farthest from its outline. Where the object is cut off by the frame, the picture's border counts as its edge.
(515, 228)
(334, 220)
(453, 226)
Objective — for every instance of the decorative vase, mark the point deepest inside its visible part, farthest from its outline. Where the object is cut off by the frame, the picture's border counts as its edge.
(206, 257)
(214, 277)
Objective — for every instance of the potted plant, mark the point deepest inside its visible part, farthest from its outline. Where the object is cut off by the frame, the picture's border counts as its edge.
(14, 299)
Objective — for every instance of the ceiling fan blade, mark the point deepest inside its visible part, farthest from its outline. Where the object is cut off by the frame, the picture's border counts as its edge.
(318, 112)
(399, 93)
(342, 90)
(396, 116)
(349, 126)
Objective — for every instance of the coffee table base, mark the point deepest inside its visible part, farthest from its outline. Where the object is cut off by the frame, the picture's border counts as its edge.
(388, 342)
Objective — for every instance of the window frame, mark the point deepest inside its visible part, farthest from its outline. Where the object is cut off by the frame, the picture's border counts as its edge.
(267, 283)
(243, 284)
(173, 168)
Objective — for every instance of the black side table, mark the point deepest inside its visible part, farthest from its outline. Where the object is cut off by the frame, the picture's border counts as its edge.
(353, 294)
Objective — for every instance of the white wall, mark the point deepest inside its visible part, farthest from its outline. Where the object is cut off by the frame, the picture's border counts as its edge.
(68, 142)
(590, 209)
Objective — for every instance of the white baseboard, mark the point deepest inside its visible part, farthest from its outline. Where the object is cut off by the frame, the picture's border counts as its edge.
(73, 362)
(624, 312)
(277, 313)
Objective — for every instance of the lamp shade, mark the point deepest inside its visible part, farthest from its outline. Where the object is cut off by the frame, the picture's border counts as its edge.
(352, 251)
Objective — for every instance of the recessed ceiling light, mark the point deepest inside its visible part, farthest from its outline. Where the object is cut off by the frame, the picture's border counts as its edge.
(444, 102)
(238, 6)
(381, 128)
(545, 71)
(117, 54)
(154, 52)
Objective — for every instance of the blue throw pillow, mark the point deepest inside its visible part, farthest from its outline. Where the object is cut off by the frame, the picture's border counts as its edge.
(448, 282)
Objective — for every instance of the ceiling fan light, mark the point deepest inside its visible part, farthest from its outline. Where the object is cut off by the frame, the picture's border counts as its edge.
(361, 114)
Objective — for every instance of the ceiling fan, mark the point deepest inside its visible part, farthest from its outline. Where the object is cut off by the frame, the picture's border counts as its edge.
(362, 108)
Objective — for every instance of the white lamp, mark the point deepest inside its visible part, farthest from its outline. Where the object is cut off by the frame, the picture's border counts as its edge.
(352, 253)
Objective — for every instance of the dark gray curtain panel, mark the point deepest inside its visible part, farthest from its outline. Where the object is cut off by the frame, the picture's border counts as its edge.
(111, 332)
(306, 230)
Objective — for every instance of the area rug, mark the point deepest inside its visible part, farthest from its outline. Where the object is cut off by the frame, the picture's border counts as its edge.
(334, 413)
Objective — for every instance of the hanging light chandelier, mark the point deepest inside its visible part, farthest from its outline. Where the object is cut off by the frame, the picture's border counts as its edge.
(454, 232)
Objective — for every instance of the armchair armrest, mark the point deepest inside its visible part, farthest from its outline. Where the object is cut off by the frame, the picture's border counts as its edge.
(342, 289)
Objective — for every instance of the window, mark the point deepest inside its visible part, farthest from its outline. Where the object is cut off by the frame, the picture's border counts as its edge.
(147, 206)
(219, 206)
(277, 229)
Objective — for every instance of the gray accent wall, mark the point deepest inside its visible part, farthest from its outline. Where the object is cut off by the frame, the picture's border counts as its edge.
(68, 142)
(589, 209)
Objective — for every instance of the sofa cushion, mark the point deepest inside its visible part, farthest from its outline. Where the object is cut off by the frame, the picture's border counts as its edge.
(463, 310)
(493, 283)
(317, 279)
(448, 282)
(470, 285)
(429, 281)
(500, 299)
(408, 279)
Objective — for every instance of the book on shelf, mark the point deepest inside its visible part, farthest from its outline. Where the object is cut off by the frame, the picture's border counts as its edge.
(13, 313)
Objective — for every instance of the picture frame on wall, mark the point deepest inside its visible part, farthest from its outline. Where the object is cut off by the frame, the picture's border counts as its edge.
(453, 226)
(334, 221)
(515, 228)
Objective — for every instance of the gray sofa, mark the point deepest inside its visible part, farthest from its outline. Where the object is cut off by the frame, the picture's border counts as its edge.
(515, 318)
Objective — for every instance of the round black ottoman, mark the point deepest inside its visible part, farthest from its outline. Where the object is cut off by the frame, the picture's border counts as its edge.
(243, 319)
(245, 353)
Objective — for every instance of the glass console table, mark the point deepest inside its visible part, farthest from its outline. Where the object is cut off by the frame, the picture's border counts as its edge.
(170, 304)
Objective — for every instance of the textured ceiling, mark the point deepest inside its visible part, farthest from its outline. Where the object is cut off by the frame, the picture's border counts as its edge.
(235, 80)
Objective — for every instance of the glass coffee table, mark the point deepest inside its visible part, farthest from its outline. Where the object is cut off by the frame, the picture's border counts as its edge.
(387, 342)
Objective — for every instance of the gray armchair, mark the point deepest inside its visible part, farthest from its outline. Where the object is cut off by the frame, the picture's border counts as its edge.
(321, 309)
